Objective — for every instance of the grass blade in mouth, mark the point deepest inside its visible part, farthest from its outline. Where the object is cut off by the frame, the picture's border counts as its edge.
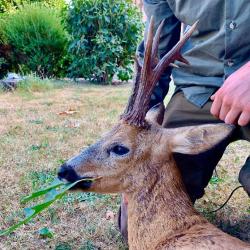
(53, 192)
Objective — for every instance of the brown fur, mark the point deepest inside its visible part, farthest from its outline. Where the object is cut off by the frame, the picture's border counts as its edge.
(160, 213)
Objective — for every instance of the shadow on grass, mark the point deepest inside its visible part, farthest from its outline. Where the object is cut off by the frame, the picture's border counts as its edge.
(239, 229)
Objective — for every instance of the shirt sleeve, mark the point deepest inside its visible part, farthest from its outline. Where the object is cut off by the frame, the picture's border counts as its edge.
(169, 37)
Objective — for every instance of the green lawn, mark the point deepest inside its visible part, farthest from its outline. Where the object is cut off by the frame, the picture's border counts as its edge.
(35, 140)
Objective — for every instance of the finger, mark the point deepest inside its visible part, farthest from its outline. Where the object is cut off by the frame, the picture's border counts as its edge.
(224, 111)
(232, 116)
(216, 106)
(212, 97)
(244, 118)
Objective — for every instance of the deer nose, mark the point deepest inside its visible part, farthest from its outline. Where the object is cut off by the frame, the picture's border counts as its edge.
(68, 173)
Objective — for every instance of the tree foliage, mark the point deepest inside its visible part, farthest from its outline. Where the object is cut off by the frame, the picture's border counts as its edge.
(104, 36)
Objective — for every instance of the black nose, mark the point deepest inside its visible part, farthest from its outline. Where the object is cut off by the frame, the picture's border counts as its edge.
(68, 173)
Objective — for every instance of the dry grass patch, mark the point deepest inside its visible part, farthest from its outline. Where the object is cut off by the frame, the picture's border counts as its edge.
(35, 140)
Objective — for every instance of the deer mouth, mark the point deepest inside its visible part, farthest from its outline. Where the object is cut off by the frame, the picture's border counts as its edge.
(83, 183)
(69, 175)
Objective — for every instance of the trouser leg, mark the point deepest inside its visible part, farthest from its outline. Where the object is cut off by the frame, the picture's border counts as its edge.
(123, 218)
(197, 170)
(244, 176)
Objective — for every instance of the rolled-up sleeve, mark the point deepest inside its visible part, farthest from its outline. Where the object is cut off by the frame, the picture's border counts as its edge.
(169, 37)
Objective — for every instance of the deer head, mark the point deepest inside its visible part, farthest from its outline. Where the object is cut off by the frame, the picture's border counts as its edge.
(137, 144)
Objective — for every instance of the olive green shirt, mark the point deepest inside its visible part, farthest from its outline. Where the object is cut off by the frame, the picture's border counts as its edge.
(219, 46)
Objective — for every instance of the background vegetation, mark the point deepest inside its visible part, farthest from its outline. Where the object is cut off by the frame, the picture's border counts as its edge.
(36, 39)
(94, 39)
(12, 5)
(104, 38)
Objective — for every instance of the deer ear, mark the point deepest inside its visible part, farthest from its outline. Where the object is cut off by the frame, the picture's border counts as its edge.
(156, 114)
(195, 140)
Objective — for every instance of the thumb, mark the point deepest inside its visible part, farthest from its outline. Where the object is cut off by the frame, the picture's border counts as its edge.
(212, 97)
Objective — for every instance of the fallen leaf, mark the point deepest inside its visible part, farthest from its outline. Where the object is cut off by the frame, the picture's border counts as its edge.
(68, 112)
(46, 233)
(110, 215)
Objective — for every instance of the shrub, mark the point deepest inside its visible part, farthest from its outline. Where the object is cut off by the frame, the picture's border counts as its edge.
(11, 5)
(104, 36)
(5, 52)
(37, 38)
(2, 63)
(6, 5)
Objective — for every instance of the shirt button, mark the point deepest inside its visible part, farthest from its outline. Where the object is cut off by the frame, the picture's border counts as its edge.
(230, 63)
(232, 25)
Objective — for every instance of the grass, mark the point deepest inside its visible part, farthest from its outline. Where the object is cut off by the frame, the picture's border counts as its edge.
(35, 140)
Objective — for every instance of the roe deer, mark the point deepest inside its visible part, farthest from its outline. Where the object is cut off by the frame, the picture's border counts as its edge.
(136, 158)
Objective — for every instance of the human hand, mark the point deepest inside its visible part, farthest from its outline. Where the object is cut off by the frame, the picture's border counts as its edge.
(231, 103)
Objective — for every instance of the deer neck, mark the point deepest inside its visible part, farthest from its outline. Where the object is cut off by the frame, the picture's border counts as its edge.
(159, 209)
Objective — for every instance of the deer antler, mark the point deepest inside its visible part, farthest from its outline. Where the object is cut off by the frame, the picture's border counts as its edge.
(148, 74)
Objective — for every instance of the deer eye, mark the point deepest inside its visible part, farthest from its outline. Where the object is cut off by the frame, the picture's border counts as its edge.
(119, 150)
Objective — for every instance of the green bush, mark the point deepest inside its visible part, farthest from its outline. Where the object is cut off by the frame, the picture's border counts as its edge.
(104, 36)
(37, 39)
(5, 53)
(6, 5)
(11, 5)
(2, 62)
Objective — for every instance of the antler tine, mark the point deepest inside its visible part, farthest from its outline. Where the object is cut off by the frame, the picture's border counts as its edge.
(156, 44)
(141, 68)
(174, 54)
(148, 75)
(146, 69)
(131, 101)
(136, 111)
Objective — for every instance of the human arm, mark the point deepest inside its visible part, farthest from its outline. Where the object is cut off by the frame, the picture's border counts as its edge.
(231, 103)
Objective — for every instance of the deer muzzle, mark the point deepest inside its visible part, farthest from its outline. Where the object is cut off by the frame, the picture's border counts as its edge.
(67, 173)
(79, 167)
